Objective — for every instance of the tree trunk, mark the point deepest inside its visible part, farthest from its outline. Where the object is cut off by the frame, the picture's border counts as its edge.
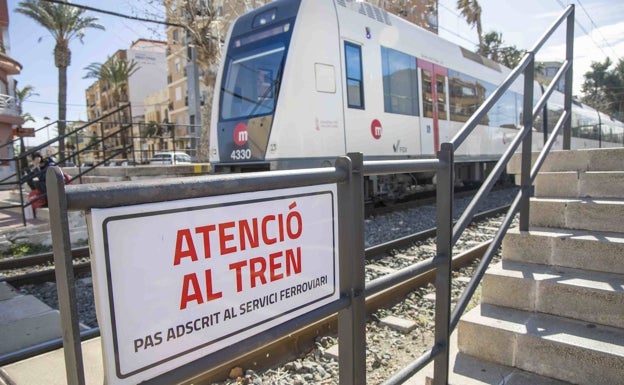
(203, 149)
(62, 112)
(62, 60)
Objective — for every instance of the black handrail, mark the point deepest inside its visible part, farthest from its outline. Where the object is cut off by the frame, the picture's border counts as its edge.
(446, 322)
(114, 126)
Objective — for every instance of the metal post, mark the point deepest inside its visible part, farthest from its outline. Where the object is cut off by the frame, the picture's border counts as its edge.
(444, 254)
(352, 320)
(193, 81)
(599, 130)
(21, 166)
(77, 160)
(102, 133)
(567, 128)
(527, 114)
(64, 272)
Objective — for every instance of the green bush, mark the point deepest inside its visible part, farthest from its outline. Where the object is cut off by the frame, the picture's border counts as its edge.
(22, 249)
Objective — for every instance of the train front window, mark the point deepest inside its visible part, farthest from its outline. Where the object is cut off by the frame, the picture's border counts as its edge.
(251, 84)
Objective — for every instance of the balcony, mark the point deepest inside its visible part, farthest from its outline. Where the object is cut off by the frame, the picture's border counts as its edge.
(9, 66)
(9, 110)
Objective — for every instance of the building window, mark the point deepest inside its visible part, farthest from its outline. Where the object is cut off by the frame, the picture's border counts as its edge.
(178, 93)
(355, 80)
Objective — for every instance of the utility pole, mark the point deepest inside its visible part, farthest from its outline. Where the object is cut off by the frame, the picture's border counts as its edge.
(194, 97)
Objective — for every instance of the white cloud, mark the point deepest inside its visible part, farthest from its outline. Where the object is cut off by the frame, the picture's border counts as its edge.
(605, 41)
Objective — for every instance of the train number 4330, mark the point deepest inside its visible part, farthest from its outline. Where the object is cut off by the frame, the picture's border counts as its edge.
(241, 154)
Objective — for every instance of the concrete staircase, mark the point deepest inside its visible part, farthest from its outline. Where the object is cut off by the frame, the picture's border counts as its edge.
(553, 309)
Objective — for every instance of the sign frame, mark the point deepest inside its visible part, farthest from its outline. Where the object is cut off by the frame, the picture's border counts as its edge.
(99, 221)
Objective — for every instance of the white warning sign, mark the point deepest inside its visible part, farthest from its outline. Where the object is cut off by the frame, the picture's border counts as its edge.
(176, 281)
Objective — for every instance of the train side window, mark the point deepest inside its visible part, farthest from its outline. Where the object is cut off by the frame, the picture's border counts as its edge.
(441, 93)
(427, 92)
(400, 82)
(355, 79)
(466, 96)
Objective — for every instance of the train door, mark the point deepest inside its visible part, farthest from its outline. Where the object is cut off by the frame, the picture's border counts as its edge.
(434, 109)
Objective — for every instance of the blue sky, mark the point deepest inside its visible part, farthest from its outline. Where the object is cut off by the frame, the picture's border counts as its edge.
(599, 33)
(599, 28)
(33, 47)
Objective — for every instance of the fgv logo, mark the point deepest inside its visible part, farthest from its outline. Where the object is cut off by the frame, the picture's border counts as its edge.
(398, 148)
(240, 134)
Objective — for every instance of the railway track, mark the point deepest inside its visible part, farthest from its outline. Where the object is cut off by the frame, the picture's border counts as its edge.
(46, 274)
(284, 348)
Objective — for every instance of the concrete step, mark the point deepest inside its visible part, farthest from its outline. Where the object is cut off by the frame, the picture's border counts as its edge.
(592, 297)
(546, 345)
(604, 159)
(574, 184)
(584, 214)
(25, 321)
(468, 370)
(579, 249)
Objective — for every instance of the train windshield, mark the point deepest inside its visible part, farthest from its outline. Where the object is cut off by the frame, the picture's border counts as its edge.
(251, 83)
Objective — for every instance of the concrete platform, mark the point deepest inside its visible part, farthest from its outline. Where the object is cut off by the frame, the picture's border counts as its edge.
(25, 320)
(125, 173)
(568, 248)
(555, 347)
(593, 297)
(49, 368)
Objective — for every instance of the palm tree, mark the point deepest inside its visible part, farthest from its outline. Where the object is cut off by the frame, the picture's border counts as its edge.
(115, 72)
(21, 95)
(65, 23)
(471, 10)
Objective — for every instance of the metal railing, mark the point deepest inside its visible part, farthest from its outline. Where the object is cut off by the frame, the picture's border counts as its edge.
(9, 105)
(347, 175)
(446, 322)
(50, 148)
(111, 137)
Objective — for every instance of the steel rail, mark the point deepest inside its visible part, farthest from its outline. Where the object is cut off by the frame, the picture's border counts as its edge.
(38, 259)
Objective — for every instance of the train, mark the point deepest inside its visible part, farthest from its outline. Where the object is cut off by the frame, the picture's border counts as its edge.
(305, 81)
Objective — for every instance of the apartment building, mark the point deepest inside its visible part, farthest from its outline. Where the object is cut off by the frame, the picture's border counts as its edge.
(10, 110)
(549, 70)
(186, 90)
(423, 13)
(151, 76)
(155, 130)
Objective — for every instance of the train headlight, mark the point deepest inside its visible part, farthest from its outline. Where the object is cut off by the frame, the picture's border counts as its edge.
(264, 18)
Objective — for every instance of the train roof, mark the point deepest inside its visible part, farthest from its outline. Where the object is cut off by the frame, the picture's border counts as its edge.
(397, 33)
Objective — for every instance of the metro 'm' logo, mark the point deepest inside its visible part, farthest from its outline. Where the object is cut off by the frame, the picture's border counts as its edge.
(376, 129)
(240, 134)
